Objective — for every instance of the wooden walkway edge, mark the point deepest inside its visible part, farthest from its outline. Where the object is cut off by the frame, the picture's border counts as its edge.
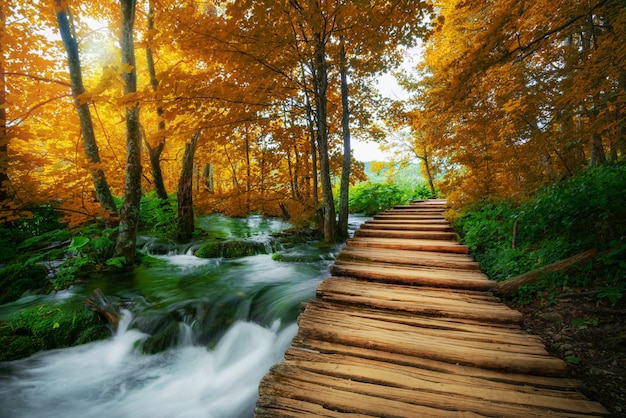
(407, 327)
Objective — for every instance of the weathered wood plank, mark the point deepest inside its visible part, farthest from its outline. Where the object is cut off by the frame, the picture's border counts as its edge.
(473, 329)
(489, 356)
(416, 258)
(403, 234)
(415, 245)
(368, 397)
(422, 276)
(409, 226)
(408, 222)
(427, 302)
(464, 335)
(438, 389)
(539, 382)
(409, 217)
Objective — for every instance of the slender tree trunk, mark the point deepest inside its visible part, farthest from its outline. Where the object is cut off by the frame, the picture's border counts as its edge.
(429, 174)
(155, 152)
(186, 219)
(129, 216)
(101, 185)
(4, 154)
(345, 127)
(311, 126)
(320, 78)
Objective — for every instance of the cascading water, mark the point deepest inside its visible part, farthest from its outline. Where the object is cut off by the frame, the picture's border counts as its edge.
(229, 321)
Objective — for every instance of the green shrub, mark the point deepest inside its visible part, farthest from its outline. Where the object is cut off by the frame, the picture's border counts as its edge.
(157, 216)
(587, 211)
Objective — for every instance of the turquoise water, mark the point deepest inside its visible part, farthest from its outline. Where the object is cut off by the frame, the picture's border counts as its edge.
(227, 322)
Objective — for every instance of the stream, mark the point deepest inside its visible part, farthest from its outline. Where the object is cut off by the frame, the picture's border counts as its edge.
(224, 323)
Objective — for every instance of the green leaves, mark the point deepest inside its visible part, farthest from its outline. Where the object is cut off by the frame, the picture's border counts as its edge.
(77, 243)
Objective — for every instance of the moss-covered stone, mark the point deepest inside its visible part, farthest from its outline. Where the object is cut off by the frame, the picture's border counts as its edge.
(231, 249)
(19, 278)
(161, 341)
(48, 327)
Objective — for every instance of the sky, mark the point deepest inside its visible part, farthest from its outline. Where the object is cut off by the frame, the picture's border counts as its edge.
(370, 151)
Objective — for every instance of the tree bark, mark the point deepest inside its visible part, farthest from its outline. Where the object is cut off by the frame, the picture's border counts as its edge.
(155, 152)
(185, 191)
(311, 125)
(101, 186)
(4, 146)
(129, 216)
(345, 127)
(320, 78)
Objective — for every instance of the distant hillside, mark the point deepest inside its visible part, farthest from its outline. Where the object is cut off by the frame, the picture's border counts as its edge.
(410, 173)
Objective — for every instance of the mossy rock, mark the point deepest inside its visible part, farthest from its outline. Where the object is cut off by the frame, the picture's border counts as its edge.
(161, 341)
(18, 346)
(48, 327)
(19, 278)
(230, 249)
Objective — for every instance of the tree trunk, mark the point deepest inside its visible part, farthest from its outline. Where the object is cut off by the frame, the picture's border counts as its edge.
(101, 185)
(320, 82)
(185, 191)
(429, 174)
(311, 126)
(345, 126)
(129, 216)
(512, 285)
(155, 152)
(4, 154)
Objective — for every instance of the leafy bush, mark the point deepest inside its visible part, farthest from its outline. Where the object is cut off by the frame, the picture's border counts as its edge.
(372, 198)
(584, 212)
(158, 216)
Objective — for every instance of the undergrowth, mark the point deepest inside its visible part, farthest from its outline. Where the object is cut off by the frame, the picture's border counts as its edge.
(587, 211)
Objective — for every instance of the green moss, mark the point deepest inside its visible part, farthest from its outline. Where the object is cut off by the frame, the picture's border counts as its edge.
(230, 249)
(48, 327)
(19, 278)
(209, 249)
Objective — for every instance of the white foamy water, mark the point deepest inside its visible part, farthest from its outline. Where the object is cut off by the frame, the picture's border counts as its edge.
(111, 379)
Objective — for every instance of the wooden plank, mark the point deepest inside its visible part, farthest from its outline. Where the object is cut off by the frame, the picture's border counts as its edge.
(476, 330)
(422, 276)
(408, 217)
(336, 395)
(403, 234)
(438, 389)
(409, 221)
(353, 396)
(326, 347)
(489, 356)
(416, 258)
(417, 301)
(409, 226)
(465, 333)
(415, 245)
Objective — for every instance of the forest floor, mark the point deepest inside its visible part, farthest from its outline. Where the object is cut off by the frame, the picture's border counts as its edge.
(590, 335)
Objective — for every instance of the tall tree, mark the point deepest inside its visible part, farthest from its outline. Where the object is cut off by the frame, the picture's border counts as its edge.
(155, 151)
(92, 152)
(129, 215)
(186, 217)
(345, 127)
(4, 140)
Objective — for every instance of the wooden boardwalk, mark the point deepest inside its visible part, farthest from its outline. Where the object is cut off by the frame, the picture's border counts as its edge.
(406, 327)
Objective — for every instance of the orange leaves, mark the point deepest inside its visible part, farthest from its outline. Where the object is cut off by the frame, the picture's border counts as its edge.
(520, 91)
